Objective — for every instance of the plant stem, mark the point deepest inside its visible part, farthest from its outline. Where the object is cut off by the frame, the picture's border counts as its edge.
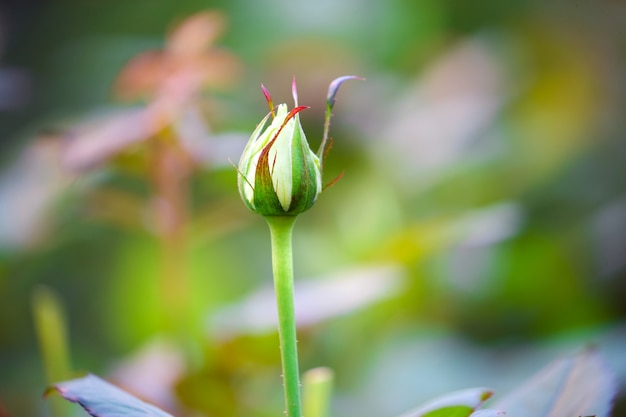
(170, 175)
(281, 228)
(50, 325)
(317, 386)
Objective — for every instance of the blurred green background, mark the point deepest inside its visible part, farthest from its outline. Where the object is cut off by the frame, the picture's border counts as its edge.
(479, 230)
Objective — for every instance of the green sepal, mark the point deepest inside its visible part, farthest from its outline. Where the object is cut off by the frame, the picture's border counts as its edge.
(305, 190)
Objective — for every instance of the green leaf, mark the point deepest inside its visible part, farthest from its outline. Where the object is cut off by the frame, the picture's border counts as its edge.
(456, 404)
(458, 411)
(578, 386)
(101, 399)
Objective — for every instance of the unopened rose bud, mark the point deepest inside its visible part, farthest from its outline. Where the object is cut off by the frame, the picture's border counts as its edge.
(279, 174)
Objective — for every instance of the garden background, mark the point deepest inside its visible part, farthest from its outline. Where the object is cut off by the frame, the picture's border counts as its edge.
(478, 232)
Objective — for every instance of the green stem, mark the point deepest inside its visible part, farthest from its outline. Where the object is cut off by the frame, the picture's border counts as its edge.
(282, 264)
(50, 326)
(317, 386)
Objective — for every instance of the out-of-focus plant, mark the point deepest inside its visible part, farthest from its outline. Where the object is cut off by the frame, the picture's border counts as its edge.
(51, 327)
(579, 386)
(163, 137)
(440, 132)
(170, 82)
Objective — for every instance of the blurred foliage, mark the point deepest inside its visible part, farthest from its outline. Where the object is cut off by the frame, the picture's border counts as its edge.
(482, 159)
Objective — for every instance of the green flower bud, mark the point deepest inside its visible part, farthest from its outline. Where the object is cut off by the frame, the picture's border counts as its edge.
(279, 174)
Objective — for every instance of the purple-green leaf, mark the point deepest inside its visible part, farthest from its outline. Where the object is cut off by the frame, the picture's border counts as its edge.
(578, 386)
(456, 404)
(101, 399)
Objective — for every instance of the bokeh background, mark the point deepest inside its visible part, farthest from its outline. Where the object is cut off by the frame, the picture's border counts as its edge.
(478, 233)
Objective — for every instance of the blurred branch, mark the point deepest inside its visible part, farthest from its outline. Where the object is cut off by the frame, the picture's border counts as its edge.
(50, 325)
